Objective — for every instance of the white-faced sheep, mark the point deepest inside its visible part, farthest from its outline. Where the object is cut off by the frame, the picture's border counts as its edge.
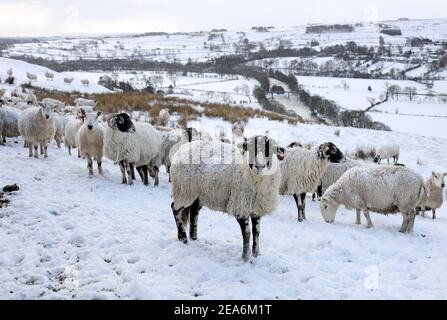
(31, 99)
(37, 127)
(59, 122)
(71, 128)
(333, 172)
(8, 123)
(68, 80)
(384, 189)
(302, 170)
(82, 102)
(31, 76)
(387, 152)
(57, 104)
(243, 183)
(85, 82)
(169, 138)
(90, 140)
(132, 145)
(49, 75)
(163, 117)
(435, 186)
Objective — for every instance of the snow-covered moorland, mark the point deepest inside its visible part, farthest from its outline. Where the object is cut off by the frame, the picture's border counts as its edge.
(65, 235)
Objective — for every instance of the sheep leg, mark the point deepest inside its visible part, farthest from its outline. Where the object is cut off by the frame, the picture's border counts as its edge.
(133, 173)
(99, 162)
(41, 148)
(79, 153)
(58, 142)
(123, 172)
(156, 176)
(358, 218)
(299, 206)
(179, 216)
(320, 191)
(69, 150)
(168, 170)
(405, 222)
(193, 219)
(411, 217)
(255, 230)
(434, 214)
(245, 229)
(368, 218)
(130, 172)
(303, 204)
(45, 150)
(89, 164)
(313, 196)
(36, 151)
(30, 147)
(4, 139)
(140, 173)
(423, 212)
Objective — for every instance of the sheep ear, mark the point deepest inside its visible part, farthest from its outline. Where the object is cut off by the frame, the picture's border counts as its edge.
(445, 174)
(242, 147)
(280, 153)
(82, 111)
(98, 114)
(433, 174)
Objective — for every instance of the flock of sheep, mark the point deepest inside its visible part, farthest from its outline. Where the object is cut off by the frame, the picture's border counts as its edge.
(243, 180)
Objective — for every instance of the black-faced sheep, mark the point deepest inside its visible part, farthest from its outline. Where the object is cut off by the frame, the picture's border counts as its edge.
(302, 170)
(131, 145)
(243, 183)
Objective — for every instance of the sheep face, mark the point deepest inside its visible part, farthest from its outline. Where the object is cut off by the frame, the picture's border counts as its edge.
(122, 122)
(329, 151)
(91, 119)
(438, 179)
(261, 154)
(328, 209)
(46, 110)
(377, 158)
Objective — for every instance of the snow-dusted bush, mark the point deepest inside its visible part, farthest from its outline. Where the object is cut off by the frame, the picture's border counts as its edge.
(302, 169)
(31, 76)
(243, 183)
(37, 127)
(384, 189)
(90, 140)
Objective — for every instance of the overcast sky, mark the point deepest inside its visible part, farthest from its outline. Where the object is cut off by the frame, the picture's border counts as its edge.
(55, 17)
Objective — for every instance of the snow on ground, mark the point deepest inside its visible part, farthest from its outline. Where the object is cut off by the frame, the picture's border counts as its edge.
(66, 235)
(356, 97)
(429, 126)
(20, 68)
(203, 87)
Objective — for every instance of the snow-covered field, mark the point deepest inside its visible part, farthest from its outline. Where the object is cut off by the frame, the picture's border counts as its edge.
(355, 95)
(66, 235)
(20, 69)
(203, 87)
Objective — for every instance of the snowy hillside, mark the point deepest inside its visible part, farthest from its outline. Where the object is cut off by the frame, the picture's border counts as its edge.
(20, 69)
(65, 235)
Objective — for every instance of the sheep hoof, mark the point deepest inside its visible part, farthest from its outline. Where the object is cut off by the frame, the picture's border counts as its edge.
(183, 239)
